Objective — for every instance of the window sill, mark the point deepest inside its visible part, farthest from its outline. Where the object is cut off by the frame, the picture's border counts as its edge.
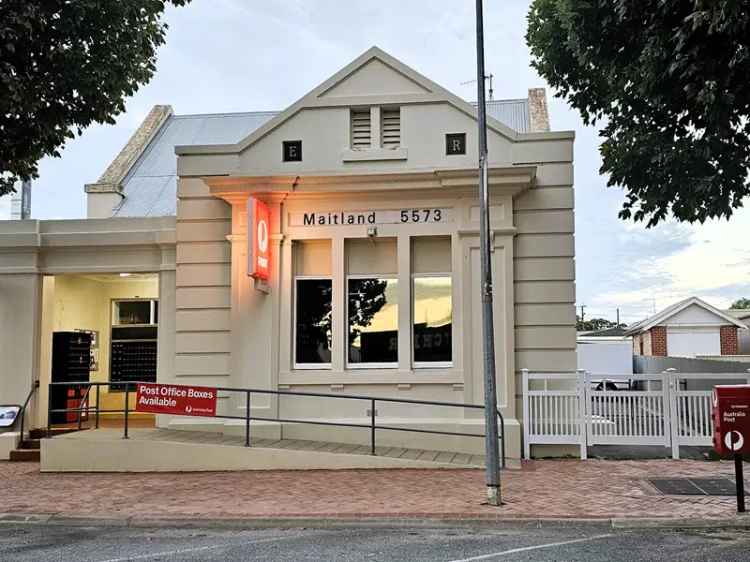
(371, 377)
(374, 155)
(312, 367)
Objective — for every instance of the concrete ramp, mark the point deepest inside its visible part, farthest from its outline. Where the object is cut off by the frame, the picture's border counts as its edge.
(164, 450)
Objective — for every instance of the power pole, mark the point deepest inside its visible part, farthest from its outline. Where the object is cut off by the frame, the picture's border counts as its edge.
(618, 316)
(488, 330)
(583, 313)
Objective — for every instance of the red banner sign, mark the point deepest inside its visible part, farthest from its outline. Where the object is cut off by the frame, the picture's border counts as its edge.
(259, 250)
(179, 400)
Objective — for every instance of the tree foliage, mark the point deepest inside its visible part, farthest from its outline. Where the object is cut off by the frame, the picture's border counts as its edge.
(669, 81)
(741, 304)
(594, 324)
(65, 65)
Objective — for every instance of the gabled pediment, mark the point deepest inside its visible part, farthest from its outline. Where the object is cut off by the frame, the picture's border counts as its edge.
(372, 79)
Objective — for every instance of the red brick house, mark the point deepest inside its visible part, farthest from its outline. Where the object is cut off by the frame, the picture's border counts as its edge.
(689, 328)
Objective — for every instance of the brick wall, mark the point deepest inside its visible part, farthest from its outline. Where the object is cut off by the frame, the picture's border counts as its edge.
(538, 114)
(658, 341)
(646, 337)
(729, 344)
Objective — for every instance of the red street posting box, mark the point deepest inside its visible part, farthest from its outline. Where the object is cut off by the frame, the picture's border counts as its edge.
(175, 399)
(732, 419)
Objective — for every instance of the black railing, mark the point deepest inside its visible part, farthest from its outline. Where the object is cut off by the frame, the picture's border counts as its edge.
(22, 412)
(373, 426)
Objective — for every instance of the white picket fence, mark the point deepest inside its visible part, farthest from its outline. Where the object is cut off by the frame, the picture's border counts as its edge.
(656, 409)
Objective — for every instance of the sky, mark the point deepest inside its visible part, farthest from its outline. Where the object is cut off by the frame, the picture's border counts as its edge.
(247, 55)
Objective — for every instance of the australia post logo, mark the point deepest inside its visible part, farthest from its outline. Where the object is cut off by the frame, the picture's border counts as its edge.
(258, 226)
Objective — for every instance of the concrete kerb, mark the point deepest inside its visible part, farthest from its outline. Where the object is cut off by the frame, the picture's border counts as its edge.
(431, 521)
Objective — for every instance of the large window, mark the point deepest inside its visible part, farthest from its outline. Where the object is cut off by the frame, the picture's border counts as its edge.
(385, 303)
(372, 303)
(432, 303)
(313, 303)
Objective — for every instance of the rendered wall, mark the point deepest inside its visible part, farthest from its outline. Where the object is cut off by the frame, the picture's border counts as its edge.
(533, 225)
(20, 316)
(606, 357)
(544, 264)
(203, 288)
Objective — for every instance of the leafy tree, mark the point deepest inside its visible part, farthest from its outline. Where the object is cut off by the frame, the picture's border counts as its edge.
(669, 80)
(741, 304)
(65, 65)
(594, 324)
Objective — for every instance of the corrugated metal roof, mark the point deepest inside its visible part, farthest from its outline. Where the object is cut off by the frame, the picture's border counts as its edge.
(150, 187)
(513, 113)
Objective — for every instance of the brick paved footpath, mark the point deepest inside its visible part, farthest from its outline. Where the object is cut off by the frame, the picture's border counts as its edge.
(542, 489)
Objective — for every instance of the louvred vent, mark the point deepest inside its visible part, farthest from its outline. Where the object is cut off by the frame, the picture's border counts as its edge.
(391, 127)
(361, 129)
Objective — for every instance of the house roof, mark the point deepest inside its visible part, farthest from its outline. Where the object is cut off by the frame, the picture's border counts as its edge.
(322, 94)
(743, 313)
(672, 310)
(150, 184)
(514, 113)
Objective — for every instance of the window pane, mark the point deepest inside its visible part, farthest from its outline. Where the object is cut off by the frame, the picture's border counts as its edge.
(431, 254)
(365, 256)
(134, 312)
(312, 258)
(433, 319)
(373, 320)
(313, 342)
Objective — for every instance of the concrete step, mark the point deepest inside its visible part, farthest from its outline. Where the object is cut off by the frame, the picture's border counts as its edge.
(29, 444)
(25, 455)
(42, 433)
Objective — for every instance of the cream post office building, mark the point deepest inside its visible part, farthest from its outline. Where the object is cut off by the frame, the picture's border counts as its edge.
(371, 182)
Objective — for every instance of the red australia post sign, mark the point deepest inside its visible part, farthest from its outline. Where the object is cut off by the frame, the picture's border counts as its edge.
(258, 226)
(179, 400)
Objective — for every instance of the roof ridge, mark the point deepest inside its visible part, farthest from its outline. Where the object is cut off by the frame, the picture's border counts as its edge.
(504, 100)
(224, 114)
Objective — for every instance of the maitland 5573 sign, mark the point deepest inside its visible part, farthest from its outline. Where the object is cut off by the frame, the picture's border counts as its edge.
(175, 399)
(258, 234)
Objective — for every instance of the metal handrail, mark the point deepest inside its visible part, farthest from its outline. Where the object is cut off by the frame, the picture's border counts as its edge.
(372, 426)
(80, 407)
(22, 413)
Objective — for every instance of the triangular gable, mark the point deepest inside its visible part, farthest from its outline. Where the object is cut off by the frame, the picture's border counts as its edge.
(678, 307)
(370, 63)
(375, 78)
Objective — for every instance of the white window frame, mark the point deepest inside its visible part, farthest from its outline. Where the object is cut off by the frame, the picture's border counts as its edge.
(308, 366)
(428, 364)
(115, 313)
(362, 366)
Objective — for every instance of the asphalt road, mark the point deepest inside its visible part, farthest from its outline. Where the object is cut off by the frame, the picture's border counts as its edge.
(40, 543)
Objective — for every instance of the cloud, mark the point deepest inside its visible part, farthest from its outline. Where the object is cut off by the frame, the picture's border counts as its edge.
(711, 261)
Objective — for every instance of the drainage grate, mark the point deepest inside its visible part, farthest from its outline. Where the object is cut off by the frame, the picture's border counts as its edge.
(695, 486)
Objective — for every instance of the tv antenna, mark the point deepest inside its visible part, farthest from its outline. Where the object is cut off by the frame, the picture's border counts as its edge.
(487, 78)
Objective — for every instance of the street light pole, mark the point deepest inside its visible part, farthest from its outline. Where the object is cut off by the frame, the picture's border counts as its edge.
(488, 330)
